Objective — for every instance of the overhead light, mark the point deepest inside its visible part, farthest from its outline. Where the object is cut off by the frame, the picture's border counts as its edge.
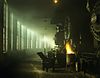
(55, 1)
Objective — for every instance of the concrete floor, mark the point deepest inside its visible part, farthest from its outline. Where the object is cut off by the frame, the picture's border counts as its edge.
(31, 68)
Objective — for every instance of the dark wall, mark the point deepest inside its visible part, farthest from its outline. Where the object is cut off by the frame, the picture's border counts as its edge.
(1, 26)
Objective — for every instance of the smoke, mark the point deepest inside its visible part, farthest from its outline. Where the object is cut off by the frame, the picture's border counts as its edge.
(34, 14)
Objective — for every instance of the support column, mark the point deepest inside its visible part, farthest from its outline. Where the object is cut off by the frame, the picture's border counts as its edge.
(25, 38)
(14, 33)
(34, 42)
(20, 38)
(9, 31)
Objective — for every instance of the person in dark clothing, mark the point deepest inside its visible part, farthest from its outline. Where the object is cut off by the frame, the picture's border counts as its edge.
(84, 64)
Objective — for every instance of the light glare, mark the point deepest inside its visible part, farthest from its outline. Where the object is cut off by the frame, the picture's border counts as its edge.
(55, 1)
(69, 49)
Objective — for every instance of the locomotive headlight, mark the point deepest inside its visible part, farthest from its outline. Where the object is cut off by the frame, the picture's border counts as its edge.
(93, 18)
